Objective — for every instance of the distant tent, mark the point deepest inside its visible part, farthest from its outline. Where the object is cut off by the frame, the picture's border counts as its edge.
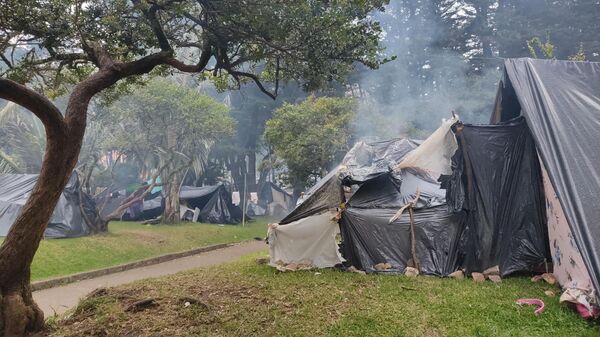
(151, 207)
(214, 204)
(67, 220)
(275, 201)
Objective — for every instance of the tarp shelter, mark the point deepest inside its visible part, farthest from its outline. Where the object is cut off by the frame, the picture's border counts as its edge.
(213, 202)
(560, 102)
(311, 222)
(67, 220)
(150, 207)
(274, 200)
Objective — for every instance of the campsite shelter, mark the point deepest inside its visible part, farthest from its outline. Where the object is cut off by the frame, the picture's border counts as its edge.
(521, 194)
(274, 200)
(67, 220)
(307, 236)
(560, 103)
(213, 204)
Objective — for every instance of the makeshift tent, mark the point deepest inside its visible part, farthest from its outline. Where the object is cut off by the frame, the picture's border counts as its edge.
(67, 219)
(274, 200)
(560, 102)
(150, 207)
(311, 220)
(213, 202)
(361, 162)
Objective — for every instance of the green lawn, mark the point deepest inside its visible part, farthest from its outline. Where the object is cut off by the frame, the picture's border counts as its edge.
(129, 241)
(246, 299)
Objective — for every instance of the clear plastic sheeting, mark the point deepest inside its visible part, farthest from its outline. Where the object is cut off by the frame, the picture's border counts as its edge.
(362, 162)
(434, 155)
(367, 159)
(305, 243)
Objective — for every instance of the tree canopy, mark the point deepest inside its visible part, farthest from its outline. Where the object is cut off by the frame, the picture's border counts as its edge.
(53, 43)
(311, 136)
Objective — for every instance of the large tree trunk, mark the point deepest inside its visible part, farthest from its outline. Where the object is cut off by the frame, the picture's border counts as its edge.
(18, 313)
(171, 213)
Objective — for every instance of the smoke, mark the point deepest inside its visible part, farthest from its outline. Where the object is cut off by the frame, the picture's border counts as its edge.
(426, 82)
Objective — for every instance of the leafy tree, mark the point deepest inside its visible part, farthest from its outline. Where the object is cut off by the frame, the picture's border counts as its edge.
(168, 128)
(311, 136)
(103, 46)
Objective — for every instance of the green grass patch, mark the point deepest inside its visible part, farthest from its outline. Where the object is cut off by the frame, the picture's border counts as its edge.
(246, 299)
(130, 241)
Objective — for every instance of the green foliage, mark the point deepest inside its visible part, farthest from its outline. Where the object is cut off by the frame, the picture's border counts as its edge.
(166, 123)
(255, 300)
(580, 55)
(23, 153)
(54, 44)
(132, 241)
(311, 136)
(547, 48)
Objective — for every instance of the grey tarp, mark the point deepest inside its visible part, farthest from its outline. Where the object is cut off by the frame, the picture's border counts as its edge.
(362, 162)
(560, 101)
(214, 203)
(66, 221)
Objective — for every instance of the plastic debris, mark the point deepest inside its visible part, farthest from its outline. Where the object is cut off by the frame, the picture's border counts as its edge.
(533, 301)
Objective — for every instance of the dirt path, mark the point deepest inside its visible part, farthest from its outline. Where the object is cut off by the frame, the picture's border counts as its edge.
(60, 299)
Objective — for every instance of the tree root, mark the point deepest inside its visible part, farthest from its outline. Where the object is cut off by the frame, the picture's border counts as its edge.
(20, 314)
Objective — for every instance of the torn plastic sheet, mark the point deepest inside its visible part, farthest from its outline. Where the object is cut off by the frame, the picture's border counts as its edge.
(309, 242)
(434, 155)
(362, 162)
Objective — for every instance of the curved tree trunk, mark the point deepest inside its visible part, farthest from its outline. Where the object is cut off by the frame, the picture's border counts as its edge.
(171, 213)
(19, 315)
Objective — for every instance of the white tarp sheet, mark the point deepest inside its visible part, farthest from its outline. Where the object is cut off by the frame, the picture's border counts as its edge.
(305, 243)
(434, 155)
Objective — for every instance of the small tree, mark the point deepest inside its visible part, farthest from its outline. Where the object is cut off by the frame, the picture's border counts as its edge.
(89, 47)
(311, 136)
(169, 128)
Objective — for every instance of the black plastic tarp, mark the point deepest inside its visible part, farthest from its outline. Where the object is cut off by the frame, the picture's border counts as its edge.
(214, 203)
(326, 194)
(497, 181)
(561, 102)
(67, 219)
(369, 239)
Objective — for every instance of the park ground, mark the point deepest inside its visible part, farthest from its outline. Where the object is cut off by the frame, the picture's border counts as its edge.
(131, 241)
(249, 299)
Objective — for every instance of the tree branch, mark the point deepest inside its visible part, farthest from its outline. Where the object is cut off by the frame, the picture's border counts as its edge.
(39, 105)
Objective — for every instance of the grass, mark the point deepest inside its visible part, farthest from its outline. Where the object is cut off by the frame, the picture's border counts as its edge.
(246, 299)
(130, 241)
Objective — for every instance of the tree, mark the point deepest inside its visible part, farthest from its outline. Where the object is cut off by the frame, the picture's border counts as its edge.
(168, 128)
(50, 47)
(311, 136)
